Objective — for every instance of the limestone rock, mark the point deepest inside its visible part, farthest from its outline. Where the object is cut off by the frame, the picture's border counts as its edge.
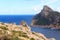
(23, 23)
(46, 17)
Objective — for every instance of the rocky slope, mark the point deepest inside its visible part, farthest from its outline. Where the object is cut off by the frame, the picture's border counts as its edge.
(47, 18)
(9, 31)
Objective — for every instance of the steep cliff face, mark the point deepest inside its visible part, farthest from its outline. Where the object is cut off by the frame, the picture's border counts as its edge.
(19, 32)
(48, 17)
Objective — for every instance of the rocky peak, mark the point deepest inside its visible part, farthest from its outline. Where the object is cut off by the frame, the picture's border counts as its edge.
(45, 11)
(47, 16)
(46, 8)
(23, 23)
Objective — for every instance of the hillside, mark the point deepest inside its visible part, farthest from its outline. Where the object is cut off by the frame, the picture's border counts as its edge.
(47, 18)
(9, 31)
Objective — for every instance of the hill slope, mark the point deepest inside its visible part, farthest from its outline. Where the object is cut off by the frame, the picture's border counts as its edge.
(47, 17)
(10, 31)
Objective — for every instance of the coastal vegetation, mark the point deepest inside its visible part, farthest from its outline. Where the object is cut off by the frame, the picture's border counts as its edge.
(10, 31)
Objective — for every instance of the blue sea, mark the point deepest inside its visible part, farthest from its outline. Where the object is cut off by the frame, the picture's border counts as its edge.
(28, 18)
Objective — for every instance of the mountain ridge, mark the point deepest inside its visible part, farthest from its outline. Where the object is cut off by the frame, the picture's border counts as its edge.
(48, 17)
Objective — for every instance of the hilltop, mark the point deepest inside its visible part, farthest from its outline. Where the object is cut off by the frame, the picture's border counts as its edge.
(47, 18)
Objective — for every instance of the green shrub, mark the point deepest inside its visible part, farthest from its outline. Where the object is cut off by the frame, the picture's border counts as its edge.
(33, 33)
(24, 35)
(6, 25)
(14, 38)
(4, 28)
(32, 39)
(20, 33)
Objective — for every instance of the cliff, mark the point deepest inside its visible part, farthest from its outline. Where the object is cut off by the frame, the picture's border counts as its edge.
(10, 31)
(47, 18)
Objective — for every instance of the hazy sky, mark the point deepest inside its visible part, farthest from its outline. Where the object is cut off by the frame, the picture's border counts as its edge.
(26, 7)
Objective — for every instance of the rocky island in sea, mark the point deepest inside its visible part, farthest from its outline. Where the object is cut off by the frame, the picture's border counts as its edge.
(9, 31)
(47, 18)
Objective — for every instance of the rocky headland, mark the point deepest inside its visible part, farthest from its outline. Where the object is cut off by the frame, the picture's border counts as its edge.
(47, 18)
(9, 31)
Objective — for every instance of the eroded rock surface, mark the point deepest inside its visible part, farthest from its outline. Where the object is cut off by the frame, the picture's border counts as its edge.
(47, 18)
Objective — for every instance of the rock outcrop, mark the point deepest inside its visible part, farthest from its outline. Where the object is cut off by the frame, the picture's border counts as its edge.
(19, 32)
(47, 18)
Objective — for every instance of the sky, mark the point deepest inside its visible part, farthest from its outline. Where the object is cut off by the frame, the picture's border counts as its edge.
(26, 7)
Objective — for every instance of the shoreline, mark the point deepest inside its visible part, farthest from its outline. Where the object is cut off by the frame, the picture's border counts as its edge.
(47, 26)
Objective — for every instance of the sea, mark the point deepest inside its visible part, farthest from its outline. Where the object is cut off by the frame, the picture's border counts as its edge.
(49, 33)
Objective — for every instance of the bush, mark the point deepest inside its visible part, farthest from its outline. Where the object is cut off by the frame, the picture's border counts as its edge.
(4, 28)
(24, 35)
(32, 39)
(14, 38)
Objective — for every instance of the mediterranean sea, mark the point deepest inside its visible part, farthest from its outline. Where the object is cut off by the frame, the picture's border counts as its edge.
(28, 18)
